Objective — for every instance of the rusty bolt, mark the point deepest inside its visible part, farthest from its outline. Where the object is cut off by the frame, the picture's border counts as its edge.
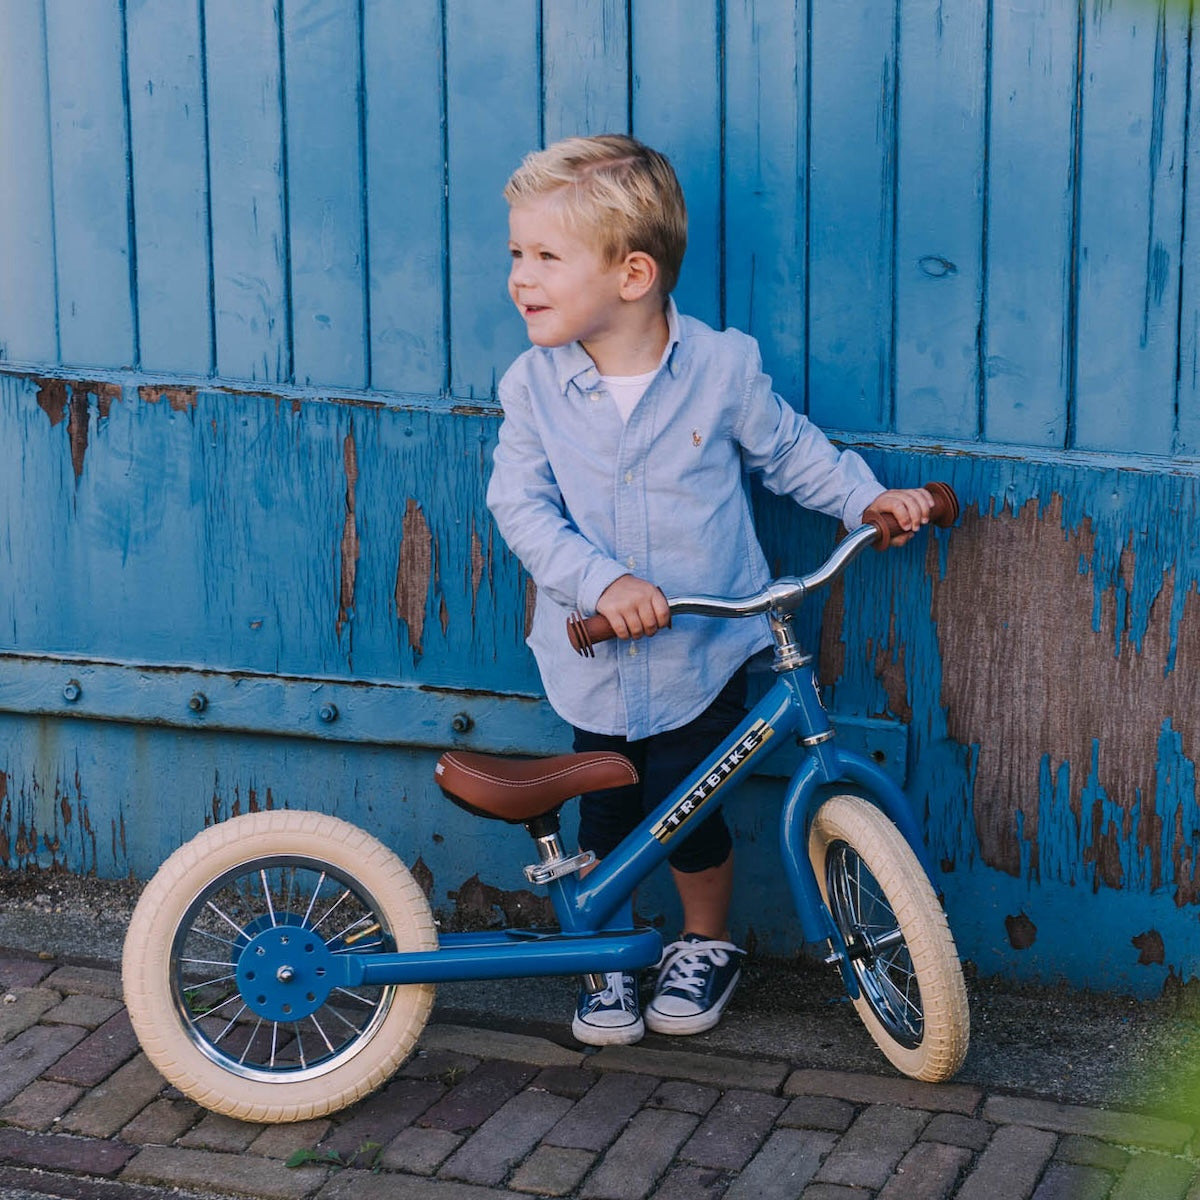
(72, 691)
(328, 713)
(462, 723)
(198, 702)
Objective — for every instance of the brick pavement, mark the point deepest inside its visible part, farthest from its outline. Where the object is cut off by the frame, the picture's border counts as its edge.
(477, 1114)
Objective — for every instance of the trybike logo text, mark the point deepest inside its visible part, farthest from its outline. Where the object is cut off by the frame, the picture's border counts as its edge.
(670, 825)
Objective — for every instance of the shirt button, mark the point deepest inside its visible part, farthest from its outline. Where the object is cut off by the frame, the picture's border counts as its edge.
(631, 562)
(632, 651)
(628, 476)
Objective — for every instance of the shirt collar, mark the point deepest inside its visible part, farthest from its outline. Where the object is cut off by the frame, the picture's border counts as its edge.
(574, 365)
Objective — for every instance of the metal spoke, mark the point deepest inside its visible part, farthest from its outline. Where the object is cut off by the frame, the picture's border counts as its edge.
(329, 912)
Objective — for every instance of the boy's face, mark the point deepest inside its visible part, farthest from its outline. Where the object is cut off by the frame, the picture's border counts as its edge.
(558, 280)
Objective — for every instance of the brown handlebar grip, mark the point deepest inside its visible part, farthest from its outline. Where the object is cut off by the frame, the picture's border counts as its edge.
(943, 514)
(583, 632)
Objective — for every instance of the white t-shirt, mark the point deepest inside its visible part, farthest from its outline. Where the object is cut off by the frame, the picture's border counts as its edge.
(627, 390)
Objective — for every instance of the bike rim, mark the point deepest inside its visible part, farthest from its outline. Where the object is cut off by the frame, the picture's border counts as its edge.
(280, 893)
(875, 943)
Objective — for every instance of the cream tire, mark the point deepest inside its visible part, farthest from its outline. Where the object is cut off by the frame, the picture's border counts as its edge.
(299, 877)
(912, 998)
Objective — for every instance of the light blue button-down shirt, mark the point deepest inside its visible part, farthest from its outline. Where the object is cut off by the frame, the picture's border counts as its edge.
(582, 498)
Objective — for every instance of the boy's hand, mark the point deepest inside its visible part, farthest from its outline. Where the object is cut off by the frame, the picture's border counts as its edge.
(910, 506)
(634, 607)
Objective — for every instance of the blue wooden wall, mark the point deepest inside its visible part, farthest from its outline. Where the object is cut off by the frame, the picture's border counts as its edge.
(252, 313)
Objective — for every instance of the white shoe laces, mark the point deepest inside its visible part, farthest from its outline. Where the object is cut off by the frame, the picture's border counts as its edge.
(684, 965)
(618, 990)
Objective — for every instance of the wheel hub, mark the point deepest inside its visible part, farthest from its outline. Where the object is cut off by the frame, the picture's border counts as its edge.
(284, 973)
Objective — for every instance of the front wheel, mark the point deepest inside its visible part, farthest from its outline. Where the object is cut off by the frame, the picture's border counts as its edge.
(231, 963)
(912, 998)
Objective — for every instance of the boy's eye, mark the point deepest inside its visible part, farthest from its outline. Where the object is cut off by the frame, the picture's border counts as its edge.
(546, 256)
(514, 252)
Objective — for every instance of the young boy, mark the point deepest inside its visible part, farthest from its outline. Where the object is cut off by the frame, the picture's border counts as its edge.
(619, 479)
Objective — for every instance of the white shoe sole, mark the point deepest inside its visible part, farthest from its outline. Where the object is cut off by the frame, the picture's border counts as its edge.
(658, 1022)
(607, 1035)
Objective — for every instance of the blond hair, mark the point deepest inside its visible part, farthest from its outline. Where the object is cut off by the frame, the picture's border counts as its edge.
(614, 189)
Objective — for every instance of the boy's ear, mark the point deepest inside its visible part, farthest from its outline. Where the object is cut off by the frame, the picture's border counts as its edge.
(640, 275)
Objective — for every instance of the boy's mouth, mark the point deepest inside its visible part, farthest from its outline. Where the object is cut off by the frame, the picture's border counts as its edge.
(532, 310)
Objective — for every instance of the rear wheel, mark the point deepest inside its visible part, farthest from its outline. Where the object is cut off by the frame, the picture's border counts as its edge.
(912, 998)
(232, 975)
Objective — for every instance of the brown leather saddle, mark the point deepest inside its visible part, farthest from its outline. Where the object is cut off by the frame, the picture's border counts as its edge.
(522, 789)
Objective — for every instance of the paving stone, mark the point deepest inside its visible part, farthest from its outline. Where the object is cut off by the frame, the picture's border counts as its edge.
(1089, 1152)
(835, 1191)
(784, 1166)
(1067, 1181)
(99, 1054)
(958, 1131)
(115, 1102)
(56, 1152)
(95, 980)
(495, 1043)
(552, 1171)
(40, 1104)
(420, 1151)
(870, 1150)
(377, 1120)
(210, 1171)
(872, 1089)
(714, 1069)
(219, 1132)
(565, 1081)
(470, 1103)
(733, 1130)
(22, 972)
(282, 1141)
(1010, 1166)
(601, 1115)
(639, 1156)
(692, 1183)
(446, 1065)
(82, 1009)
(30, 1053)
(1123, 1127)
(161, 1122)
(685, 1097)
(928, 1171)
(1154, 1175)
(817, 1112)
(505, 1138)
(25, 1010)
(359, 1185)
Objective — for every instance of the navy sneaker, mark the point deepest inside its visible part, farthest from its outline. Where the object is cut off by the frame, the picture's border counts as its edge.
(696, 977)
(610, 1017)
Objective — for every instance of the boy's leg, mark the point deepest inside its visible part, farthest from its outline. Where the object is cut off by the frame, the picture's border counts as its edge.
(608, 1011)
(699, 972)
(705, 896)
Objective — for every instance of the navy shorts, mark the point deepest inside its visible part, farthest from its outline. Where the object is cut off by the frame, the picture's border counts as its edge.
(662, 761)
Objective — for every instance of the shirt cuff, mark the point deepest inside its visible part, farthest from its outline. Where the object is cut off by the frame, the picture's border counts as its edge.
(596, 578)
(858, 502)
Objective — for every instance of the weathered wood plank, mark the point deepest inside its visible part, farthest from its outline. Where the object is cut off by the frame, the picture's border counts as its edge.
(939, 217)
(170, 185)
(493, 99)
(1030, 218)
(323, 89)
(404, 62)
(251, 316)
(90, 165)
(852, 166)
(28, 317)
(585, 68)
(765, 172)
(1187, 432)
(677, 110)
(1131, 168)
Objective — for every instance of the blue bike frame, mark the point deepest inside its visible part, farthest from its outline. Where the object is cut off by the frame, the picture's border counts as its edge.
(595, 912)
